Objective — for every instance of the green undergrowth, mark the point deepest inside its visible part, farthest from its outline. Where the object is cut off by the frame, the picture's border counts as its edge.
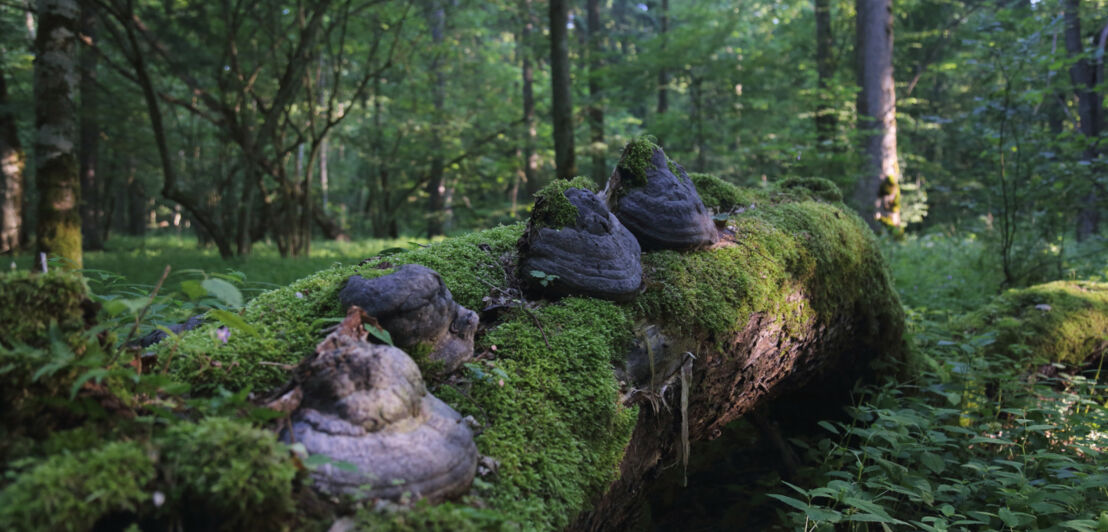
(552, 208)
(215, 474)
(1062, 321)
(31, 302)
(817, 187)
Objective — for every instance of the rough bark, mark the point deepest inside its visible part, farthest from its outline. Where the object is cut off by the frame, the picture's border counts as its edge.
(663, 75)
(1083, 76)
(92, 212)
(12, 161)
(561, 90)
(59, 220)
(878, 192)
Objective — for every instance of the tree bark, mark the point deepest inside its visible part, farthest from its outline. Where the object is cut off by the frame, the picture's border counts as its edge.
(561, 90)
(663, 75)
(12, 161)
(1083, 76)
(92, 211)
(596, 103)
(825, 70)
(530, 156)
(436, 184)
(59, 221)
(878, 191)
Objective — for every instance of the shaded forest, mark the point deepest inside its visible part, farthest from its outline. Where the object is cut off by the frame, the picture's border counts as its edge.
(887, 309)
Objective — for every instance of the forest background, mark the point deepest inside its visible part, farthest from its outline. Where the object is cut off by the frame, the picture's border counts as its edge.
(276, 138)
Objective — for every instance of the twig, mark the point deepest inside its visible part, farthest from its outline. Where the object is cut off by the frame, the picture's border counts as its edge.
(142, 313)
(537, 322)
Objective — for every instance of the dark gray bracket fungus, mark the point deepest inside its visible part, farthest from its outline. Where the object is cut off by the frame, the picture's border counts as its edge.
(415, 307)
(595, 257)
(366, 404)
(665, 212)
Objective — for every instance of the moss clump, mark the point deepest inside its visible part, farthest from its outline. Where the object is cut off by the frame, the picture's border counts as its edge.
(75, 491)
(719, 195)
(806, 247)
(289, 321)
(636, 159)
(1062, 321)
(552, 418)
(813, 187)
(552, 208)
(30, 302)
(229, 472)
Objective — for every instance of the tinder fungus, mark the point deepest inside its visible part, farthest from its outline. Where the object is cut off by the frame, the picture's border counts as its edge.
(574, 246)
(654, 198)
(365, 407)
(416, 308)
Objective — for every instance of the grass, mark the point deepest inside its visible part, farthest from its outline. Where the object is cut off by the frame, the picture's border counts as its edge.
(142, 260)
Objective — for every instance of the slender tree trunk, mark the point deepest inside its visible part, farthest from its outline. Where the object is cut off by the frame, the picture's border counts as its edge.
(596, 96)
(663, 75)
(530, 156)
(59, 220)
(1083, 75)
(878, 190)
(561, 90)
(92, 212)
(436, 184)
(12, 161)
(825, 69)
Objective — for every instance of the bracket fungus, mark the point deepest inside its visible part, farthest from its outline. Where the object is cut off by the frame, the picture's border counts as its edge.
(655, 199)
(366, 405)
(590, 253)
(416, 308)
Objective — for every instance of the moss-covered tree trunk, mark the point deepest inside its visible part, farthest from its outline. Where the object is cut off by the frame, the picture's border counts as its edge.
(59, 218)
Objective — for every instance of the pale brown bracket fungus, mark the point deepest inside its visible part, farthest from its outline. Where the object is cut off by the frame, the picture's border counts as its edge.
(659, 204)
(595, 256)
(365, 405)
(416, 308)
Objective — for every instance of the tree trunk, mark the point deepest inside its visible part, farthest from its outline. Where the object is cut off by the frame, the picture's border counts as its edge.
(59, 219)
(92, 211)
(12, 161)
(825, 70)
(596, 102)
(530, 156)
(663, 76)
(561, 90)
(436, 184)
(1083, 75)
(878, 189)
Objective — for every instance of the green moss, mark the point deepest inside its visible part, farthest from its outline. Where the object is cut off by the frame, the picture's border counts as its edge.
(552, 416)
(290, 320)
(719, 195)
(806, 247)
(74, 491)
(552, 208)
(636, 159)
(813, 187)
(29, 303)
(1062, 321)
(235, 474)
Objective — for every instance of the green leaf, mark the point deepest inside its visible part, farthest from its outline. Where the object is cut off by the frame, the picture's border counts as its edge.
(96, 373)
(193, 289)
(933, 462)
(233, 321)
(828, 427)
(795, 503)
(223, 291)
(379, 333)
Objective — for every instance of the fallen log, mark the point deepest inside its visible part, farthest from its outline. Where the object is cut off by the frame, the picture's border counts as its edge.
(579, 402)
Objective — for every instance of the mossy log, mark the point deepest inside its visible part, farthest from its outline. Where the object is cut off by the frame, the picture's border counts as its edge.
(795, 299)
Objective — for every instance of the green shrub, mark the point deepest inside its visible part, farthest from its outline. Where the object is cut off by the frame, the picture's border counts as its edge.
(72, 491)
(238, 475)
